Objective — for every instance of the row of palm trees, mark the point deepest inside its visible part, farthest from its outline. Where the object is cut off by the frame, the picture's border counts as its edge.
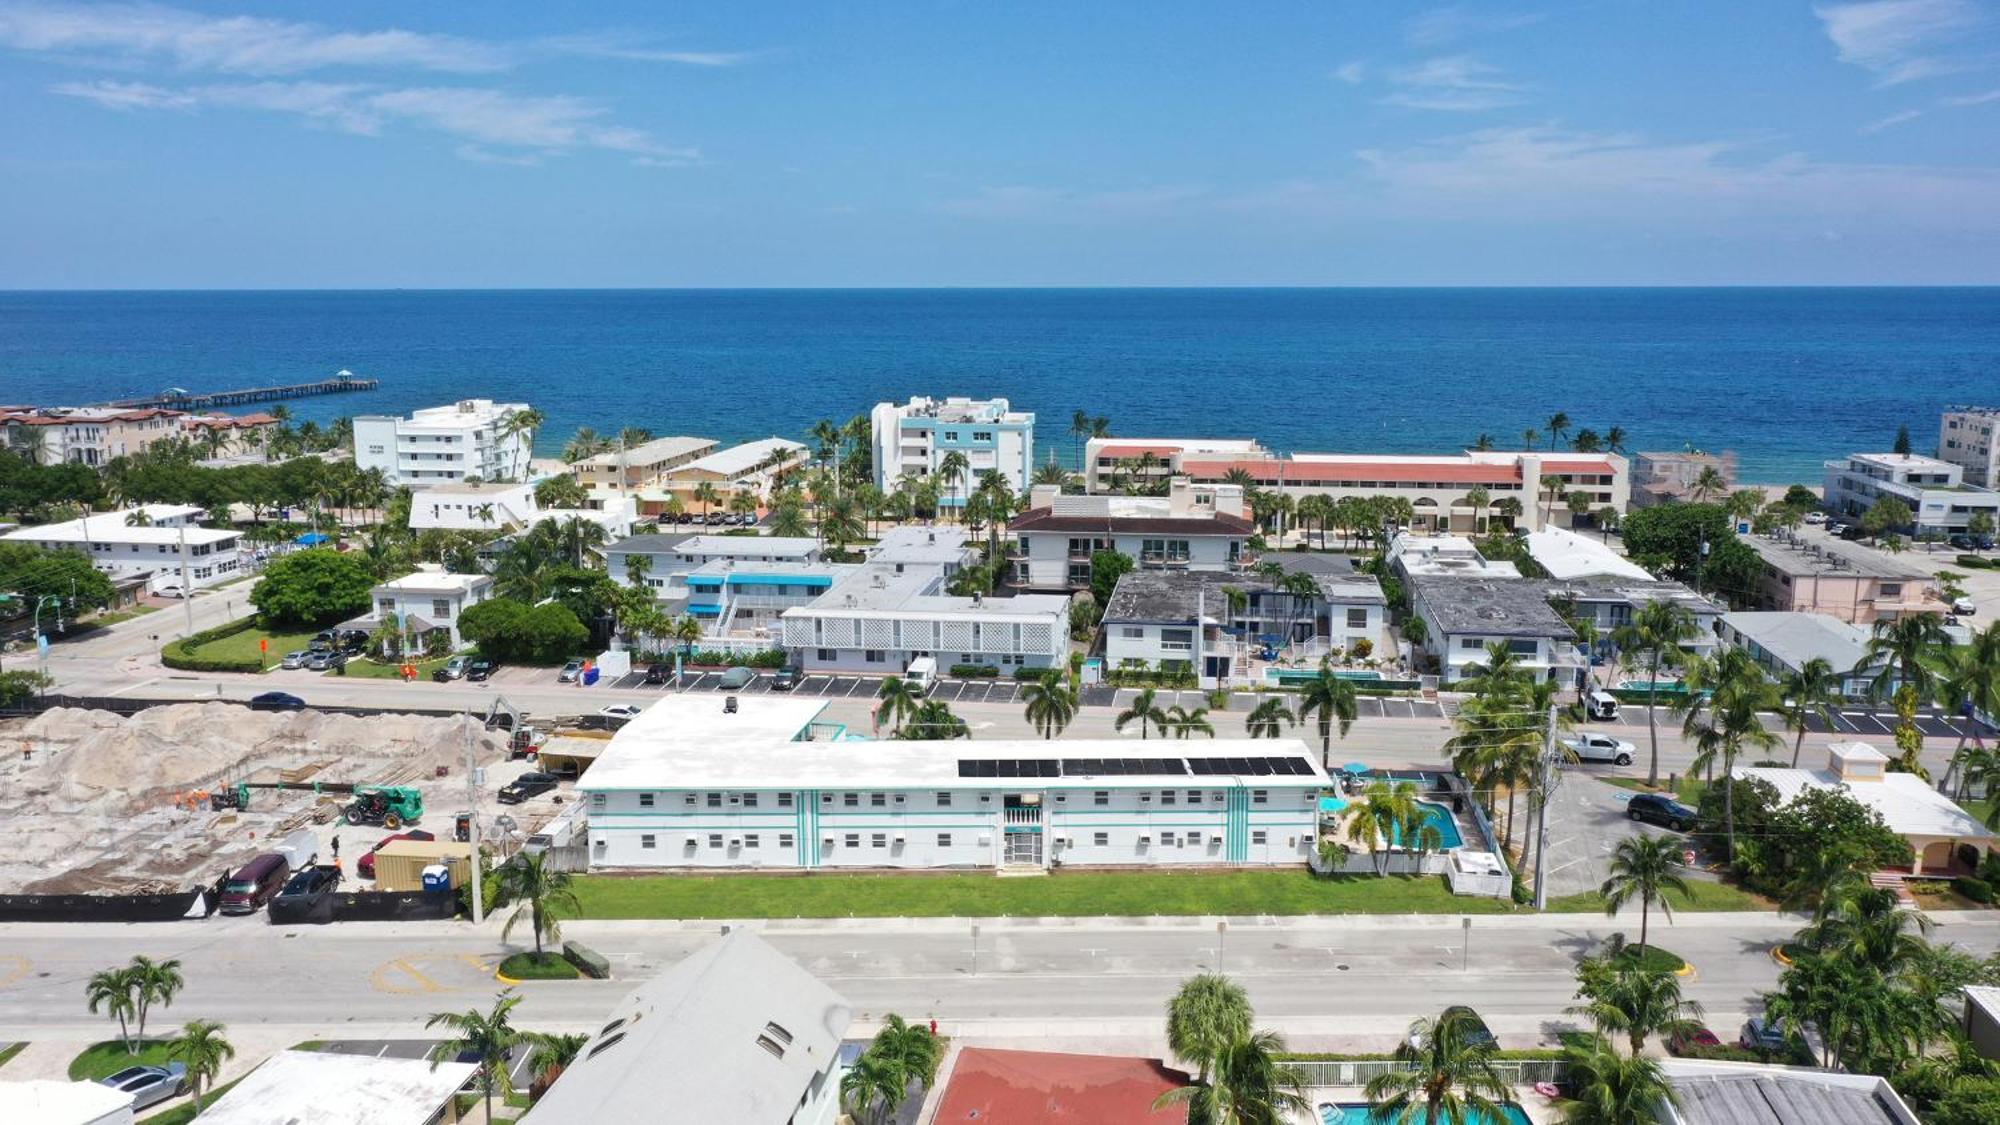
(1556, 429)
(130, 992)
(1503, 732)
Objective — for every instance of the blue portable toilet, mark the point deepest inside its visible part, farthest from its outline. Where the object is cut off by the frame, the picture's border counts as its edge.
(437, 879)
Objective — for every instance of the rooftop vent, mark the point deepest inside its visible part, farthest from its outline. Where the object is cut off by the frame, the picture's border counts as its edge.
(729, 705)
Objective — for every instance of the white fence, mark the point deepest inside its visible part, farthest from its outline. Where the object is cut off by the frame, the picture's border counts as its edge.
(1514, 1072)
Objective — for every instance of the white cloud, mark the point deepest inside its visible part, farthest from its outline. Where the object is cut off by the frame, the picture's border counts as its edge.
(1963, 100)
(1027, 202)
(1353, 73)
(127, 95)
(1893, 120)
(610, 46)
(1456, 83)
(1898, 40)
(1448, 25)
(251, 45)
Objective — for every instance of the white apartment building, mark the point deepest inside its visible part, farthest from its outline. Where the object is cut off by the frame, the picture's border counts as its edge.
(623, 470)
(670, 558)
(877, 619)
(424, 602)
(1935, 491)
(444, 444)
(1966, 439)
(1136, 463)
(1165, 620)
(1411, 555)
(691, 784)
(1782, 642)
(754, 469)
(913, 439)
(167, 545)
(505, 506)
(1193, 527)
(1439, 488)
(1462, 615)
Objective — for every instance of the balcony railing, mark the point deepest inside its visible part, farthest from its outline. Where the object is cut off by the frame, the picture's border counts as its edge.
(1026, 815)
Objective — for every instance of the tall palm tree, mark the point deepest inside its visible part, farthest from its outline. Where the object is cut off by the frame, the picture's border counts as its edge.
(1902, 651)
(1483, 442)
(1969, 683)
(874, 1086)
(1611, 1089)
(1529, 437)
(1050, 703)
(1624, 997)
(116, 992)
(1184, 723)
(1447, 1074)
(550, 1053)
(526, 423)
(487, 1036)
(1656, 633)
(1558, 426)
(1726, 697)
(1614, 439)
(1477, 498)
(1269, 719)
(1333, 700)
(1709, 484)
(1812, 690)
(951, 470)
(1206, 1013)
(1145, 711)
(538, 892)
(1250, 1084)
(1388, 813)
(201, 1048)
(1079, 429)
(899, 700)
(1645, 868)
(707, 496)
(153, 982)
(933, 720)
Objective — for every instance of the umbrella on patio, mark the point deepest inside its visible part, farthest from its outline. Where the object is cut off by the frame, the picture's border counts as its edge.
(1356, 768)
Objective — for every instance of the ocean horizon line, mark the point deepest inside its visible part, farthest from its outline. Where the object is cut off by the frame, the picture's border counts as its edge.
(1736, 287)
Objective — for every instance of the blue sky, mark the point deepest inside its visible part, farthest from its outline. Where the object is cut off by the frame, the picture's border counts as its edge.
(758, 144)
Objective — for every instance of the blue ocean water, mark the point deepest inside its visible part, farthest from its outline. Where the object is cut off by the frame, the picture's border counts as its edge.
(1786, 377)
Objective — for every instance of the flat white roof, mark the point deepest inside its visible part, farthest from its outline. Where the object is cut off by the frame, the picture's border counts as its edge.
(1793, 638)
(736, 546)
(658, 449)
(738, 459)
(689, 742)
(50, 1102)
(322, 1088)
(1908, 804)
(477, 488)
(1904, 461)
(110, 527)
(1565, 554)
(433, 581)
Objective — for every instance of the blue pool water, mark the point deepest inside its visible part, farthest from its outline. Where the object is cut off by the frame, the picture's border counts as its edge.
(1358, 1115)
(1440, 818)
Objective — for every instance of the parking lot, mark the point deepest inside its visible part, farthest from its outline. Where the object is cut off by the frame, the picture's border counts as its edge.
(421, 1049)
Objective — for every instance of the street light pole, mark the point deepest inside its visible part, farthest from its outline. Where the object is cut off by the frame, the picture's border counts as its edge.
(472, 823)
(1542, 808)
(1221, 935)
(187, 579)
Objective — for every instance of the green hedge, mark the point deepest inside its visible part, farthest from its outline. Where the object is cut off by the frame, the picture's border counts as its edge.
(1975, 562)
(768, 658)
(975, 672)
(1978, 890)
(180, 654)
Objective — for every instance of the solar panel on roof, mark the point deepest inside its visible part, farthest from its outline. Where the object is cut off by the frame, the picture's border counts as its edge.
(1170, 765)
(1238, 765)
(1202, 766)
(1260, 767)
(1297, 767)
(967, 768)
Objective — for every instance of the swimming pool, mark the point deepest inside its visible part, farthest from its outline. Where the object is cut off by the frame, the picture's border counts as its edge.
(1358, 1115)
(1440, 818)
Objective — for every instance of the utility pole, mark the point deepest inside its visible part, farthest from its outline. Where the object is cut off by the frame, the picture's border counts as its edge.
(472, 822)
(1547, 782)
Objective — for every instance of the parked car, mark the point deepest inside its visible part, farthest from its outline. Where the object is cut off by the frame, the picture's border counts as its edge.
(659, 673)
(1816, 519)
(149, 1085)
(1692, 1039)
(1762, 1034)
(785, 678)
(277, 701)
(570, 673)
(525, 786)
(365, 866)
(353, 642)
(1835, 527)
(1475, 1034)
(1652, 808)
(1853, 531)
(170, 590)
(307, 885)
(621, 711)
(296, 659)
(480, 670)
(1601, 748)
(737, 678)
(1964, 607)
(325, 660)
(254, 883)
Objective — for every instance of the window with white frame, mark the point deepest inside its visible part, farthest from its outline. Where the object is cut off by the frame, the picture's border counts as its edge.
(853, 839)
(1101, 839)
(749, 800)
(1260, 796)
(1169, 839)
(943, 799)
(944, 839)
(784, 839)
(878, 840)
(715, 839)
(1258, 836)
(647, 840)
(750, 839)
(878, 800)
(785, 799)
(1101, 797)
(851, 800)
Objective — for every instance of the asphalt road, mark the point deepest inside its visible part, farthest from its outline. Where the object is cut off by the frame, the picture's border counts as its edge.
(1335, 983)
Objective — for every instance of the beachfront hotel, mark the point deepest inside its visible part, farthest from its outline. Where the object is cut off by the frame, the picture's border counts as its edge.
(707, 781)
(1114, 464)
(444, 444)
(913, 439)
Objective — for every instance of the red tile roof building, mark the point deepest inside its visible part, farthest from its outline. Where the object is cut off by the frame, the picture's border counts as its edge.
(992, 1087)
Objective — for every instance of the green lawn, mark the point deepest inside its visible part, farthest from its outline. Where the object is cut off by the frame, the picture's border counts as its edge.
(1082, 893)
(243, 646)
(375, 670)
(1707, 898)
(551, 966)
(1979, 809)
(101, 1060)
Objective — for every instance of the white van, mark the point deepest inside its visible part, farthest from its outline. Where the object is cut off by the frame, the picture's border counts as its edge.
(300, 849)
(1600, 705)
(921, 675)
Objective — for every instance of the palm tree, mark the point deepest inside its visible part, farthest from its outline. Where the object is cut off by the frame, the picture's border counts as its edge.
(1207, 1012)
(550, 1053)
(116, 992)
(201, 1048)
(874, 1086)
(1050, 703)
(1901, 651)
(1249, 1085)
(1626, 997)
(1269, 719)
(1812, 690)
(1184, 723)
(899, 699)
(706, 495)
(1656, 632)
(789, 520)
(488, 1036)
(1447, 1074)
(1477, 498)
(1145, 711)
(952, 468)
(153, 982)
(1333, 699)
(1968, 683)
(1558, 426)
(1079, 428)
(1645, 868)
(1725, 699)
(1483, 442)
(1614, 439)
(538, 892)
(1612, 1089)
(933, 719)
(1529, 437)
(911, 1045)
(1388, 813)
(1708, 484)
(525, 422)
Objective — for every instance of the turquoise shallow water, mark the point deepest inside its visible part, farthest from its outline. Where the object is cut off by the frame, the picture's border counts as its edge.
(1359, 1115)
(1787, 377)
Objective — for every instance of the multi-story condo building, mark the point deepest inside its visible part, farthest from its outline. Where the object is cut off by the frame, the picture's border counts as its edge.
(87, 435)
(1439, 488)
(1193, 527)
(1861, 587)
(670, 558)
(445, 444)
(1118, 464)
(164, 543)
(700, 781)
(879, 618)
(626, 470)
(507, 507)
(1212, 623)
(913, 439)
(1935, 491)
(1660, 478)
(1967, 438)
(754, 469)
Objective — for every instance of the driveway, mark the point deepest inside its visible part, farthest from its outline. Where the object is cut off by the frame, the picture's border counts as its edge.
(1586, 821)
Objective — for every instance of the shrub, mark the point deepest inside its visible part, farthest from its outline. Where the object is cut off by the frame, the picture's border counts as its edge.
(180, 654)
(1519, 891)
(507, 629)
(1976, 889)
(767, 658)
(975, 671)
(1973, 561)
(1025, 674)
(1926, 886)
(1363, 648)
(315, 587)
(1989, 868)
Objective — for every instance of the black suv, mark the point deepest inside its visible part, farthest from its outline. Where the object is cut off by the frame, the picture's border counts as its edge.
(658, 673)
(1666, 812)
(525, 786)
